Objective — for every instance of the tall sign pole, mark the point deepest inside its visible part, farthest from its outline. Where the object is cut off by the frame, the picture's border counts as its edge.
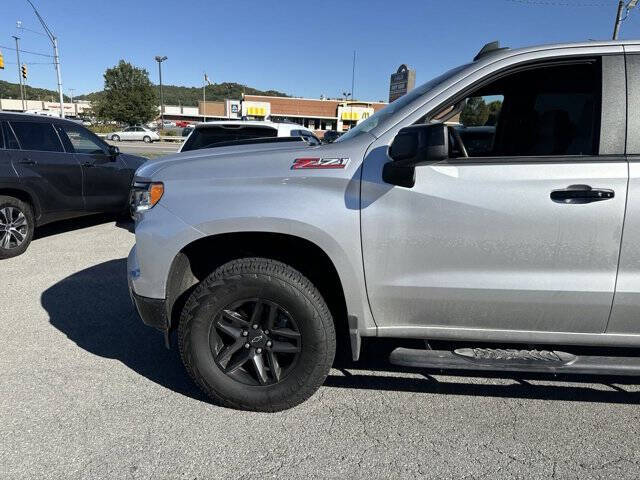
(19, 72)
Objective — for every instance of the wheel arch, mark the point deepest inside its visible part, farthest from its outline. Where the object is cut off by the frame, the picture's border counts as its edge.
(201, 257)
(24, 195)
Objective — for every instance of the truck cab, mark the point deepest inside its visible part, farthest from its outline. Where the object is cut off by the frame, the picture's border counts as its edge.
(490, 213)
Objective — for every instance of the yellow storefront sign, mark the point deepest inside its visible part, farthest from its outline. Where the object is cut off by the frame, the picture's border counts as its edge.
(257, 111)
(347, 115)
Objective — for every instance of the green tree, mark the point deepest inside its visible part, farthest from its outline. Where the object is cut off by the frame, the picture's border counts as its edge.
(494, 112)
(475, 113)
(128, 96)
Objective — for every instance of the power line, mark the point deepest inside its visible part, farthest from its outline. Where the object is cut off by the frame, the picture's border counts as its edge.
(26, 51)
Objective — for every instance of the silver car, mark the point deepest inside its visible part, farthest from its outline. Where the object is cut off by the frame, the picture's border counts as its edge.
(512, 252)
(138, 133)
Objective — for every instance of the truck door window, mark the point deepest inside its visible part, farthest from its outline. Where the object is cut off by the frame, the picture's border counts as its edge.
(549, 110)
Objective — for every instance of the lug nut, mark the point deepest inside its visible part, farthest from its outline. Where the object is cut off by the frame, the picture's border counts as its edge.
(269, 343)
(246, 345)
(266, 332)
(255, 326)
(258, 350)
(244, 333)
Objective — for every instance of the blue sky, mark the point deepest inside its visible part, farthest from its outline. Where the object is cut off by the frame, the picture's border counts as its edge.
(302, 48)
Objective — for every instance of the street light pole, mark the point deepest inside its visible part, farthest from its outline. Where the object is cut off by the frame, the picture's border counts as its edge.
(56, 57)
(161, 59)
(19, 73)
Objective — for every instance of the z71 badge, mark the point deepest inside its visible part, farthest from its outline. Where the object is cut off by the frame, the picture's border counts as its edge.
(313, 163)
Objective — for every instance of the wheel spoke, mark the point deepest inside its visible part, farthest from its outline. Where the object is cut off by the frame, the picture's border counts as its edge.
(257, 312)
(6, 238)
(239, 361)
(286, 333)
(18, 235)
(227, 352)
(258, 363)
(20, 221)
(230, 330)
(284, 347)
(4, 213)
(276, 371)
(236, 318)
(273, 312)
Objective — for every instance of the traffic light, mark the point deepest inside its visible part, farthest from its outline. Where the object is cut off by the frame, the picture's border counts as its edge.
(24, 71)
(1, 61)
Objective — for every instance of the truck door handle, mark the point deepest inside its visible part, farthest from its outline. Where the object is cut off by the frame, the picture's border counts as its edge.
(27, 161)
(580, 194)
(88, 164)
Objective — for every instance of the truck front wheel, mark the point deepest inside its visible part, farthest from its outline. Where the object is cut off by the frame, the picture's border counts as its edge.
(257, 335)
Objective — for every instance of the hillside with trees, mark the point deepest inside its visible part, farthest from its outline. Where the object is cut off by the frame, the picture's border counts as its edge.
(189, 96)
(173, 94)
(12, 90)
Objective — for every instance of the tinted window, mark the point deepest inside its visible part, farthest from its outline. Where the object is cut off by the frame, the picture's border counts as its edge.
(550, 110)
(11, 143)
(82, 140)
(37, 136)
(209, 136)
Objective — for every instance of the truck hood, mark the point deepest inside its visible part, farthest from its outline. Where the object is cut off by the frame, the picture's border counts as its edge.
(152, 167)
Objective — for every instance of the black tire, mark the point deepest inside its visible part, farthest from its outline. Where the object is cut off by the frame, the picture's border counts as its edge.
(19, 216)
(115, 138)
(146, 139)
(275, 283)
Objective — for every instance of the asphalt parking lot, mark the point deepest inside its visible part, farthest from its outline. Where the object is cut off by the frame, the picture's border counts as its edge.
(152, 150)
(87, 391)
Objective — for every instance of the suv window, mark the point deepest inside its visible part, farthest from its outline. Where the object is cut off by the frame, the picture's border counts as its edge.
(209, 136)
(549, 110)
(11, 142)
(82, 140)
(37, 136)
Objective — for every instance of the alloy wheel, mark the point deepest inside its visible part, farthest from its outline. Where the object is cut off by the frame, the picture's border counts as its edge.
(255, 341)
(13, 227)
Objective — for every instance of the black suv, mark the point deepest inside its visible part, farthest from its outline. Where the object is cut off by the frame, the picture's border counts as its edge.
(52, 169)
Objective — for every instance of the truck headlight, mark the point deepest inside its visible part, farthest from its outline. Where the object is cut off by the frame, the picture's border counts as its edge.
(145, 195)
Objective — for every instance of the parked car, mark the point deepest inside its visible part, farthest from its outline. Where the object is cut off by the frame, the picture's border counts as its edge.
(510, 256)
(134, 133)
(181, 124)
(331, 136)
(206, 135)
(52, 169)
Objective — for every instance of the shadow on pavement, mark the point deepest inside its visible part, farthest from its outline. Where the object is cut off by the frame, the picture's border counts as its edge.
(93, 309)
(64, 226)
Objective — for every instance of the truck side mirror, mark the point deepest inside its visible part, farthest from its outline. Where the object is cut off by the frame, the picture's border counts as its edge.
(415, 145)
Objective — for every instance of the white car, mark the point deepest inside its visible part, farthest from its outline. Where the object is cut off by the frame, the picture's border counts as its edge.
(206, 135)
(134, 133)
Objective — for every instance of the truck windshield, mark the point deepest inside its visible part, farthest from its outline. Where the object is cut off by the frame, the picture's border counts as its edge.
(387, 112)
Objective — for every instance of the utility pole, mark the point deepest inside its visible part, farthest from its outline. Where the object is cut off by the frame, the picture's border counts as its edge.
(204, 99)
(621, 6)
(56, 57)
(161, 59)
(19, 72)
(75, 113)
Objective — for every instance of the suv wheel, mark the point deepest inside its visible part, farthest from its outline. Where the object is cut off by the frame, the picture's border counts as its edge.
(257, 335)
(16, 226)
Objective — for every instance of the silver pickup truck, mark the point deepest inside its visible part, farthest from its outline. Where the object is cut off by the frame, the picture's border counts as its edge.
(490, 214)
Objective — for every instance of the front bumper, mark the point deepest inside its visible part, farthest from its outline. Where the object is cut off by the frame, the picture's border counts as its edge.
(152, 311)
